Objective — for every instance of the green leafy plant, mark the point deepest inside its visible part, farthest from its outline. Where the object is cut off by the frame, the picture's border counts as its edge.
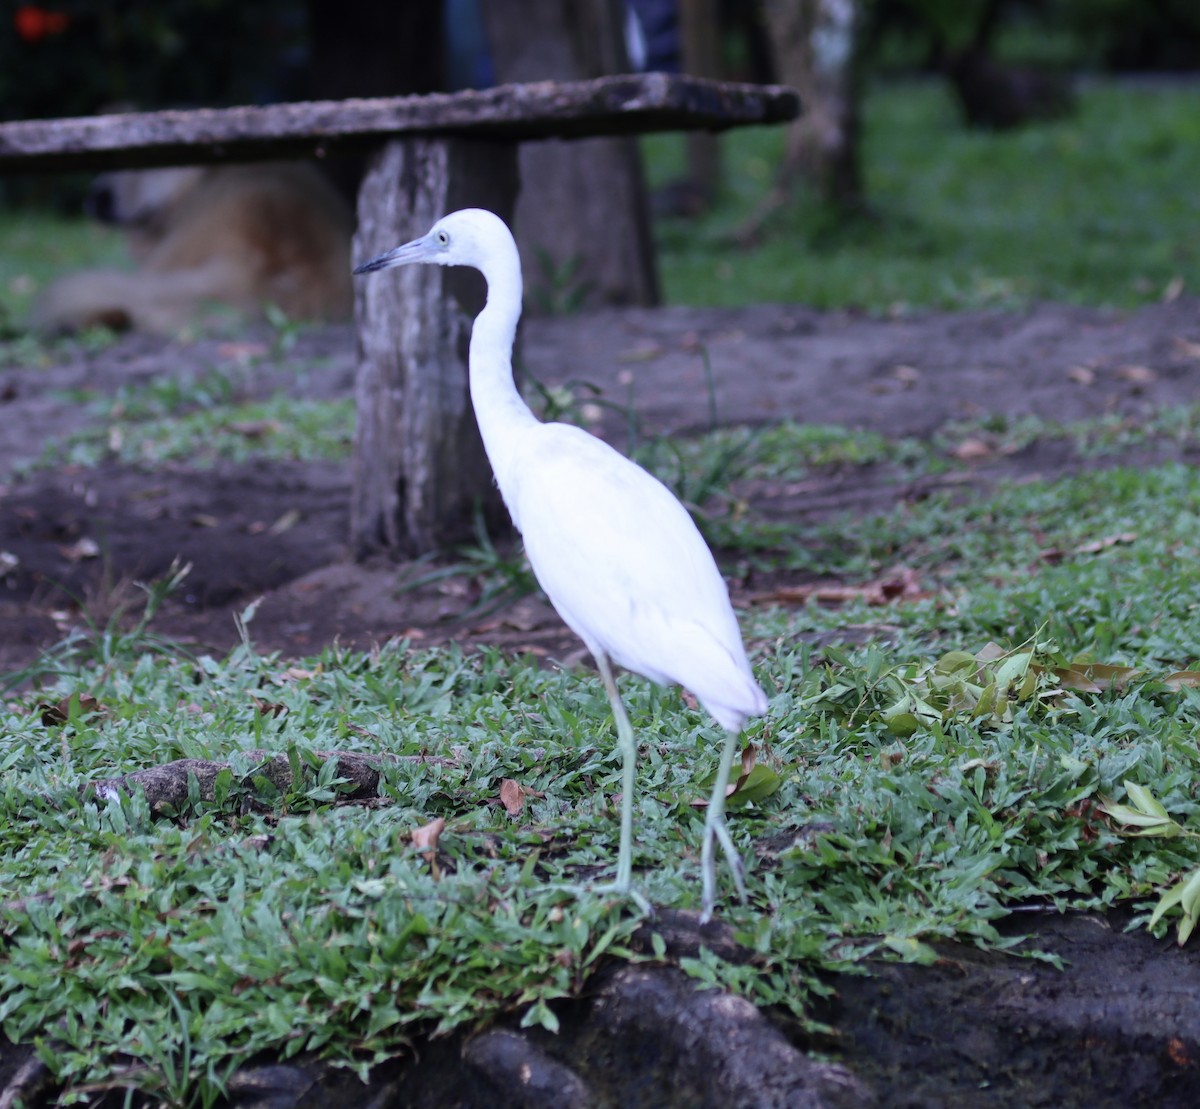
(1146, 816)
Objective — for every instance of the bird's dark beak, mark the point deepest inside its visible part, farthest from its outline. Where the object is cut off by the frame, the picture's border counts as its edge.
(419, 250)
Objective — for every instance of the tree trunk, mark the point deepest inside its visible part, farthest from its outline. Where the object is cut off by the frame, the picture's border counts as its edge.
(583, 224)
(371, 48)
(816, 52)
(420, 472)
(700, 32)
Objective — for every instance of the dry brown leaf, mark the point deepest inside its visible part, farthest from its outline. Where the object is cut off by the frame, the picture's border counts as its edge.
(1095, 677)
(1173, 289)
(268, 708)
(82, 549)
(972, 450)
(242, 352)
(1106, 542)
(299, 673)
(60, 712)
(1082, 375)
(1182, 679)
(1095, 546)
(425, 840)
(900, 583)
(255, 429)
(1186, 348)
(512, 796)
(1137, 375)
(285, 522)
(643, 353)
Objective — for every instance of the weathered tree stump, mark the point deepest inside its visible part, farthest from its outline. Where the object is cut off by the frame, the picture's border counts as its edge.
(420, 472)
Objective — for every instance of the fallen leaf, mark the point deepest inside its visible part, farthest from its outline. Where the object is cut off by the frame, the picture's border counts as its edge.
(242, 352)
(1186, 348)
(285, 522)
(268, 708)
(1173, 289)
(255, 429)
(972, 450)
(299, 673)
(644, 353)
(425, 840)
(204, 520)
(1082, 375)
(512, 796)
(60, 712)
(1095, 677)
(1177, 1052)
(1182, 679)
(84, 548)
(899, 583)
(1097, 545)
(1137, 375)
(753, 784)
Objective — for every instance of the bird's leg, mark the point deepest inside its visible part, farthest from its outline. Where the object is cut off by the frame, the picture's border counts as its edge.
(628, 748)
(623, 884)
(714, 829)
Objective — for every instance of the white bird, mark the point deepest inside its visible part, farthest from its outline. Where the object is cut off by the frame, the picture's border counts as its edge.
(616, 553)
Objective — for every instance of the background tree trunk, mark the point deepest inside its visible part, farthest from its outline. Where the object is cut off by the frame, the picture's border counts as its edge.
(583, 225)
(371, 48)
(816, 43)
(700, 31)
(420, 471)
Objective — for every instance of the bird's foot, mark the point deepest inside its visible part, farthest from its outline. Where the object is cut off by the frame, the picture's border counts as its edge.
(715, 829)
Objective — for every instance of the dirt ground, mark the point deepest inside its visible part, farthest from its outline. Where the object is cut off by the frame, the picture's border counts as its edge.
(1113, 1031)
(76, 538)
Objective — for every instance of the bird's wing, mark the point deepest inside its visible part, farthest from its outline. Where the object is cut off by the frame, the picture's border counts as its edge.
(618, 555)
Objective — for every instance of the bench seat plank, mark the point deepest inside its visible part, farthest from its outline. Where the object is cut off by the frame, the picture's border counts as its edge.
(623, 104)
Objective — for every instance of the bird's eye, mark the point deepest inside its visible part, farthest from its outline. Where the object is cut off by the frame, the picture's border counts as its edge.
(443, 238)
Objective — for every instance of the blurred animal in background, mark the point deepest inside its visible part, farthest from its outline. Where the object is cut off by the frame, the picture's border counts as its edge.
(243, 236)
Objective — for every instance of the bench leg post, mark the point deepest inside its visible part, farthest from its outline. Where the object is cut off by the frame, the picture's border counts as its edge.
(419, 469)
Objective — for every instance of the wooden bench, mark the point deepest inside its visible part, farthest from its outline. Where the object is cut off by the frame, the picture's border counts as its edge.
(419, 468)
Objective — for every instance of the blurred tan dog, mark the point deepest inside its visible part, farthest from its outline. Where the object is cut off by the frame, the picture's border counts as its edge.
(243, 236)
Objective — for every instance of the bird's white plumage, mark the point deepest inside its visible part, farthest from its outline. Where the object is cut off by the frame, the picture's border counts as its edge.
(617, 554)
(624, 565)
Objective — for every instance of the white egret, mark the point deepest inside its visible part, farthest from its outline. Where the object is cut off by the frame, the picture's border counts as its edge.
(617, 554)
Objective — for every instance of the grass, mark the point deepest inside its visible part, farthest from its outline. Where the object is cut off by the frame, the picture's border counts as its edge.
(1088, 209)
(908, 808)
(39, 246)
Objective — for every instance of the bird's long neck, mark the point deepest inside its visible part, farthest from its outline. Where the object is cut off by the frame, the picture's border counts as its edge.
(504, 418)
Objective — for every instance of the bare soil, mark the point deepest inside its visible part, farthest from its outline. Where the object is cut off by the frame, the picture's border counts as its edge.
(278, 530)
(1115, 1029)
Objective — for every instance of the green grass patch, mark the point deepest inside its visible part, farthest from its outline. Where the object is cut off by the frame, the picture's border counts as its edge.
(40, 246)
(1093, 209)
(924, 788)
(280, 427)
